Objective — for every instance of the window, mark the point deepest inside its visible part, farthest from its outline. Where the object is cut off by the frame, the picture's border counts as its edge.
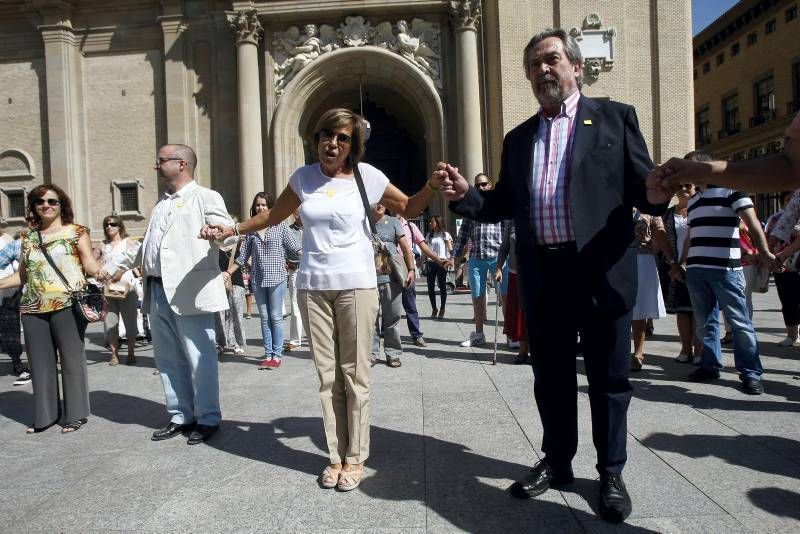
(730, 115)
(126, 198)
(735, 49)
(706, 67)
(769, 27)
(703, 120)
(752, 38)
(720, 59)
(12, 203)
(791, 13)
(764, 104)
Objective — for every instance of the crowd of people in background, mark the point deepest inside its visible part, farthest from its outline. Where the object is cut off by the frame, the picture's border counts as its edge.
(567, 258)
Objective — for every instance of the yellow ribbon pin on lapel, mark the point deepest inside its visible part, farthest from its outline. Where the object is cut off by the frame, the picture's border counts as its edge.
(587, 122)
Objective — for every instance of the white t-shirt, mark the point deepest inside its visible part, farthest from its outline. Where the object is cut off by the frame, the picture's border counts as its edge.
(438, 243)
(337, 252)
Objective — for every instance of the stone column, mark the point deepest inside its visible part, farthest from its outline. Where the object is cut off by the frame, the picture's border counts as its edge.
(65, 110)
(465, 16)
(248, 31)
(176, 91)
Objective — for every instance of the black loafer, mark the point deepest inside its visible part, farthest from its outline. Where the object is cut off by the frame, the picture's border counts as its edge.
(701, 374)
(539, 479)
(171, 430)
(201, 434)
(752, 386)
(614, 503)
(521, 359)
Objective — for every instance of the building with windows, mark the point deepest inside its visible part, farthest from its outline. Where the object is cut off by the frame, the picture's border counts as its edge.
(90, 88)
(747, 82)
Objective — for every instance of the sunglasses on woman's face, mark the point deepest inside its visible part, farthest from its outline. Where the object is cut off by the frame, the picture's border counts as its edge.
(48, 201)
(111, 224)
(326, 136)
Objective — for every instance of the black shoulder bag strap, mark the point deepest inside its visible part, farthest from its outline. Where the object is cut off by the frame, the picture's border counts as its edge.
(365, 202)
(52, 263)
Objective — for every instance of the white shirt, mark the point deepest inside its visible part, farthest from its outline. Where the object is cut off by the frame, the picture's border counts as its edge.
(337, 251)
(439, 242)
(112, 253)
(159, 222)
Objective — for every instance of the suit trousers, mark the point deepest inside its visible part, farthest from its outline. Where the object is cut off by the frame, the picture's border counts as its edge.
(563, 308)
(46, 334)
(339, 326)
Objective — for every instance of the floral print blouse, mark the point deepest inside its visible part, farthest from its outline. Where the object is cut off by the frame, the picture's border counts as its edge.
(45, 291)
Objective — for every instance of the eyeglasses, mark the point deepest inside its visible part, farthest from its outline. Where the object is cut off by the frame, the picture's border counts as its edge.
(48, 201)
(482, 184)
(687, 186)
(161, 161)
(111, 224)
(326, 136)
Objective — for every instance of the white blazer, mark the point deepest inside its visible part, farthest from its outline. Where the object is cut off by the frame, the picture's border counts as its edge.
(189, 265)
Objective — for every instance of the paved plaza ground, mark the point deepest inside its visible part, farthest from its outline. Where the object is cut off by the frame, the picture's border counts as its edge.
(450, 432)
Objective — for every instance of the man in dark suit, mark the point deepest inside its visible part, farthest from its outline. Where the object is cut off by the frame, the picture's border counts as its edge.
(570, 176)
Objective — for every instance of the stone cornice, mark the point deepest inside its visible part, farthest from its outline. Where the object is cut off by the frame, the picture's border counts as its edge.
(465, 14)
(246, 26)
(172, 23)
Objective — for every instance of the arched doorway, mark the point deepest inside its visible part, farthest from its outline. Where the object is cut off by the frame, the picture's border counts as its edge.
(400, 102)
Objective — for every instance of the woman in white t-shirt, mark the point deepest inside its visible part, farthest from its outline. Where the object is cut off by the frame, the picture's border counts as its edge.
(441, 242)
(116, 242)
(336, 280)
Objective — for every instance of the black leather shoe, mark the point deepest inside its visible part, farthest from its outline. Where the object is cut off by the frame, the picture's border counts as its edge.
(521, 359)
(752, 386)
(201, 434)
(171, 430)
(614, 503)
(539, 479)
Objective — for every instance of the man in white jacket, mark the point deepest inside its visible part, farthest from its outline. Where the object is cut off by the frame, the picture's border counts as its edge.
(183, 289)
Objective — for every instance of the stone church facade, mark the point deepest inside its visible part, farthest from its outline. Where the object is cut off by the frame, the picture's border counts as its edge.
(90, 88)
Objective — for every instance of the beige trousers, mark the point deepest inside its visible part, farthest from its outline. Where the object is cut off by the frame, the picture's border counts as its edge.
(339, 326)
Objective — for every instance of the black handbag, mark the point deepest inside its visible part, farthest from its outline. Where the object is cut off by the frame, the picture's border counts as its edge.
(87, 302)
(385, 262)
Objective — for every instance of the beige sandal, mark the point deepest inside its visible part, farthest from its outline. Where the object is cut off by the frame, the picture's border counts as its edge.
(329, 477)
(349, 480)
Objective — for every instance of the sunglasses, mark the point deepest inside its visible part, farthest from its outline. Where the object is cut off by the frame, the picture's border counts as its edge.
(687, 186)
(481, 184)
(48, 201)
(326, 136)
(111, 224)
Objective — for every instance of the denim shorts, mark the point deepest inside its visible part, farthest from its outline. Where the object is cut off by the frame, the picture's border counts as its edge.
(478, 270)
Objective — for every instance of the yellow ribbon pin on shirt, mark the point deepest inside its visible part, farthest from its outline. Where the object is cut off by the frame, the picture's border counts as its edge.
(587, 122)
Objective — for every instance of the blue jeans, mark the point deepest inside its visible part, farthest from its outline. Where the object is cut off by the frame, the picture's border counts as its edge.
(186, 356)
(712, 290)
(270, 307)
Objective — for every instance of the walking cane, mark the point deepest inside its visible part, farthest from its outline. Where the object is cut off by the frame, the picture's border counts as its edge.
(496, 306)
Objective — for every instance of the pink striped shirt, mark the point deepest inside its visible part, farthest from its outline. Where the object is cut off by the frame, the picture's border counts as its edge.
(552, 148)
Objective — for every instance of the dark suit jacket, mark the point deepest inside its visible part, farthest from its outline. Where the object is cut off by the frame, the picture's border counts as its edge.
(606, 180)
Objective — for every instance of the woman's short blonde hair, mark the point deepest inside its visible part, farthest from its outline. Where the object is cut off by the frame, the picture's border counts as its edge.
(338, 118)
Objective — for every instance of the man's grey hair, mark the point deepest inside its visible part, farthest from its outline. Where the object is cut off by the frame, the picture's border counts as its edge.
(571, 48)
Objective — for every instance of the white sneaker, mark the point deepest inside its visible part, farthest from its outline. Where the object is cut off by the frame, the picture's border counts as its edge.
(238, 350)
(788, 342)
(23, 379)
(475, 340)
(511, 344)
(696, 360)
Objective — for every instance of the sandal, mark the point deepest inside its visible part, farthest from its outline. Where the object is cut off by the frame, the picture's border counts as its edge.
(393, 362)
(329, 477)
(74, 426)
(35, 430)
(349, 480)
(113, 361)
(131, 360)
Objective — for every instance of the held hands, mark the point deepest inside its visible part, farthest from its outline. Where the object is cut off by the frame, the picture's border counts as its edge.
(677, 272)
(213, 232)
(772, 262)
(675, 172)
(452, 184)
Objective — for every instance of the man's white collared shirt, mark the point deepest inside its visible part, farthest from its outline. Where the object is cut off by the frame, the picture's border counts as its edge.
(161, 218)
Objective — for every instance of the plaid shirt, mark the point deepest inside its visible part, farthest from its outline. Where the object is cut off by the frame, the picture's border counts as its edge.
(268, 254)
(10, 253)
(486, 239)
(552, 152)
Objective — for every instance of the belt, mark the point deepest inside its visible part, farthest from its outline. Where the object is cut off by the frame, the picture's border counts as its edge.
(553, 249)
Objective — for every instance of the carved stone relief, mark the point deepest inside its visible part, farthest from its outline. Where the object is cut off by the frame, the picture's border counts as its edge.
(418, 43)
(246, 26)
(465, 14)
(597, 46)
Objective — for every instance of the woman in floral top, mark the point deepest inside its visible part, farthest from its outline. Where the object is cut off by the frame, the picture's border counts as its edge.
(50, 325)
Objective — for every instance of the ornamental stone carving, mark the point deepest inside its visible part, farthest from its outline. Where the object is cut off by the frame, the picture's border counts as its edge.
(418, 43)
(246, 26)
(465, 14)
(597, 46)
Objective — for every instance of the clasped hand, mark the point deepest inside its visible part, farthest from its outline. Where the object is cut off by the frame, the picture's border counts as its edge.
(214, 232)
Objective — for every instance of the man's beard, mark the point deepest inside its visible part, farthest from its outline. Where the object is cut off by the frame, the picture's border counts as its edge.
(549, 94)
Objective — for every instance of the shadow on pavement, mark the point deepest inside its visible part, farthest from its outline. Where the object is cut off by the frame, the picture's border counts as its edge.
(776, 501)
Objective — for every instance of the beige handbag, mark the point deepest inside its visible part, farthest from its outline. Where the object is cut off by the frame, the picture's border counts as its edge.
(116, 290)
(231, 261)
